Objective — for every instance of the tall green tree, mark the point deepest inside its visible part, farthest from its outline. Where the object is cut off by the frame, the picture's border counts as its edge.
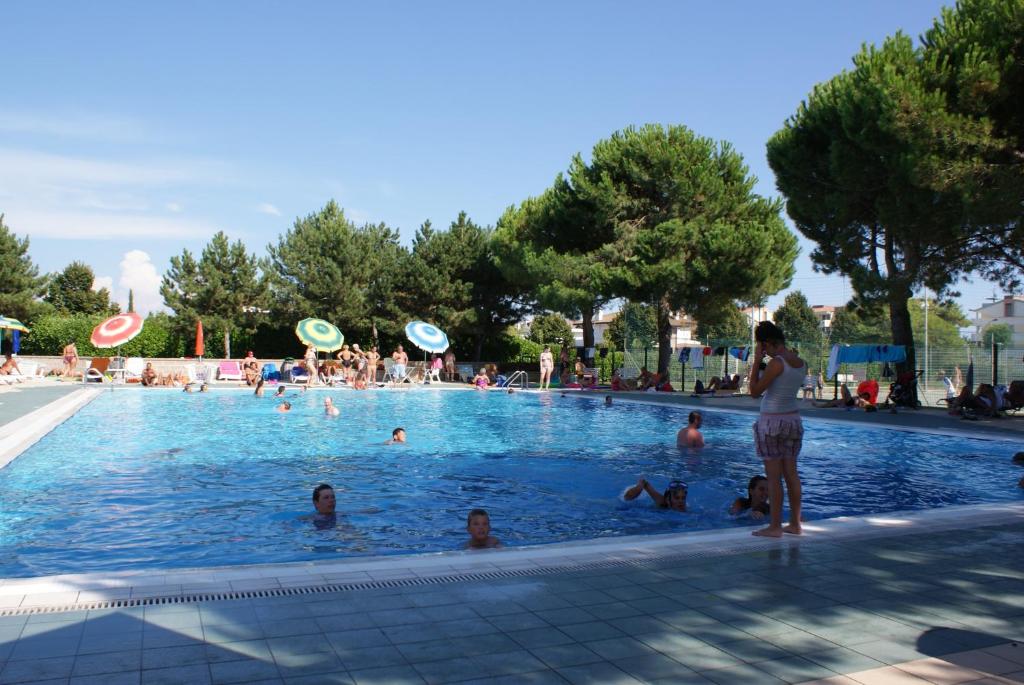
(555, 244)
(327, 267)
(70, 292)
(634, 326)
(551, 329)
(225, 289)
(690, 233)
(131, 300)
(727, 324)
(233, 296)
(906, 171)
(972, 143)
(20, 282)
(454, 281)
(796, 318)
(997, 333)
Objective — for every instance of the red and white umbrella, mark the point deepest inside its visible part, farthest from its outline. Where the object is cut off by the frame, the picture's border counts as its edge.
(117, 330)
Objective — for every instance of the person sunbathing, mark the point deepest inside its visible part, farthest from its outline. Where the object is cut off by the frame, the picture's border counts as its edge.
(984, 402)
(9, 366)
(148, 375)
(252, 372)
(846, 399)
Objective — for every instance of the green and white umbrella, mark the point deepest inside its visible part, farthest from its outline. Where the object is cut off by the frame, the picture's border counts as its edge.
(12, 324)
(322, 335)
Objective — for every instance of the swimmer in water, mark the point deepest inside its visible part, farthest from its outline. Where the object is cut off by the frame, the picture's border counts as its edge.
(607, 400)
(673, 498)
(478, 525)
(756, 500)
(690, 436)
(284, 406)
(280, 391)
(259, 388)
(329, 408)
(397, 437)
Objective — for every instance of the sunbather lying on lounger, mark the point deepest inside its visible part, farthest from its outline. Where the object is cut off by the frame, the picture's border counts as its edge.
(984, 402)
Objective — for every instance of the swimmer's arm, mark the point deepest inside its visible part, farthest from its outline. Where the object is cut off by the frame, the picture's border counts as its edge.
(737, 507)
(658, 498)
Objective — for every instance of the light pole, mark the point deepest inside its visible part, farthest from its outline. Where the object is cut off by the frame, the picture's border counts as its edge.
(926, 339)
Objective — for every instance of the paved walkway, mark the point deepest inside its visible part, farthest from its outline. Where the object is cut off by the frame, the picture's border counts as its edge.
(17, 401)
(912, 608)
(926, 418)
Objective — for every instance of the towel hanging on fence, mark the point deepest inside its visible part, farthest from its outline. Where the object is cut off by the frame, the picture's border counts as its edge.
(861, 354)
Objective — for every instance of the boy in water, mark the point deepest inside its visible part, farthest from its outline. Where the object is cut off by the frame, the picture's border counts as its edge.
(691, 435)
(478, 524)
(397, 437)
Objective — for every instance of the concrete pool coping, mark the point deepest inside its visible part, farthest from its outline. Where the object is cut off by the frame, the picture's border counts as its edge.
(69, 592)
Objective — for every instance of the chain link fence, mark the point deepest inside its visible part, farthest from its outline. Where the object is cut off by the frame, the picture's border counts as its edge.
(999, 365)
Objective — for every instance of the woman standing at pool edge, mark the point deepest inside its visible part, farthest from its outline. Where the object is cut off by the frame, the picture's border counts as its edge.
(778, 431)
(547, 365)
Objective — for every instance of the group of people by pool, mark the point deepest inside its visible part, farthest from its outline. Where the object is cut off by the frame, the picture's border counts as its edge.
(778, 438)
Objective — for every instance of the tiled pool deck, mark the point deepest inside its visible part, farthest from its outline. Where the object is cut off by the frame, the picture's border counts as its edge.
(900, 598)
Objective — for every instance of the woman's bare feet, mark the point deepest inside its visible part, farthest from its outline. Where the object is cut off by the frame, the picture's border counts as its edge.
(793, 529)
(769, 532)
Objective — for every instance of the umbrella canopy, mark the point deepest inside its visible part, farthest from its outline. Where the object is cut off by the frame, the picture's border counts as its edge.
(12, 324)
(117, 330)
(200, 347)
(322, 335)
(426, 337)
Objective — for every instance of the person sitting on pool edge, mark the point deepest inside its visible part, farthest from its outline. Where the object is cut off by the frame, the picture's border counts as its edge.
(481, 381)
(397, 437)
(478, 525)
(690, 436)
(324, 499)
(673, 498)
(756, 501)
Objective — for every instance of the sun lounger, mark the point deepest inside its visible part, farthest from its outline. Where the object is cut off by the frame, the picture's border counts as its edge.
(229, 371)
(389, 372)
(133, 368)
(97, 368)
(465, 372)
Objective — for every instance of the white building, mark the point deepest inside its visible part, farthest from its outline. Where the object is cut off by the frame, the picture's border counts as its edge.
(1009, 310)
(825, 313)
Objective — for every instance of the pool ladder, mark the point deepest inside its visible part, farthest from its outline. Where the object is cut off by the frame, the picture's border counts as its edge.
(519, 377)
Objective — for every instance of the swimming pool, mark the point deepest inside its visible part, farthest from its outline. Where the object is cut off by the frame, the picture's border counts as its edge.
(145, 479)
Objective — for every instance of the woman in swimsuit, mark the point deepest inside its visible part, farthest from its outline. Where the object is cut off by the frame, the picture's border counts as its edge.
(70, 359)
(547, 365)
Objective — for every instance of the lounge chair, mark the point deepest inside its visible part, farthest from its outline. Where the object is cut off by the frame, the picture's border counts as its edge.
(270, 373)
(229, 371)
(389, 372)
(97, 369)
(133, 368)
(465, 372)
(298, 374)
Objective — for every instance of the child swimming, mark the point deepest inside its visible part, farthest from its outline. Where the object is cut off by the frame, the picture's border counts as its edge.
(673, 498)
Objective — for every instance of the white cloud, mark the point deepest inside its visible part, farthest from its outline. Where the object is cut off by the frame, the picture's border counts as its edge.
(173, 207)
(101, 282)
(72, 125)
(29, 167)
(103, 226)
(267, 208)
(139, 275)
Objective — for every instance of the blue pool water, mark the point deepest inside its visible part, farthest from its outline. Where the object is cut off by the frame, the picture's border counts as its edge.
(162, 479)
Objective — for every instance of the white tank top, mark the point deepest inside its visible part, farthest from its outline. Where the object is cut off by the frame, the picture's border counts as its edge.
(780, 397)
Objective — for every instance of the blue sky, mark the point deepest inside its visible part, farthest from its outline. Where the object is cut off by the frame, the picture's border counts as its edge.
(129, 131)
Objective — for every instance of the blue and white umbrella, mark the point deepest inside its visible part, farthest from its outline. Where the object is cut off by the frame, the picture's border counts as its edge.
(426, 337)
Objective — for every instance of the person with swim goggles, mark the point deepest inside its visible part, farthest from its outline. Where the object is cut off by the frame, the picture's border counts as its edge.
(674, 496)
